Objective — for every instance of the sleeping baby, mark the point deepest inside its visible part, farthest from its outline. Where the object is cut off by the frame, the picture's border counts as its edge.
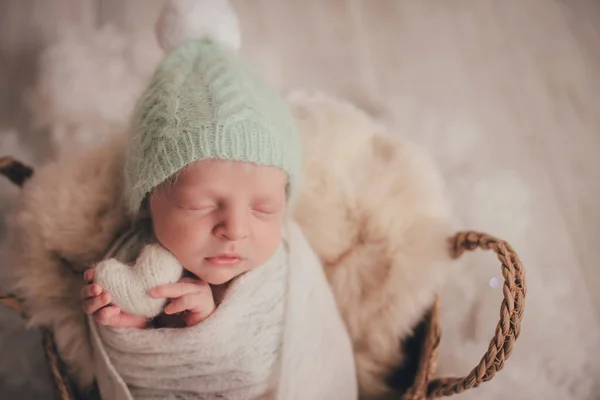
(215, 293)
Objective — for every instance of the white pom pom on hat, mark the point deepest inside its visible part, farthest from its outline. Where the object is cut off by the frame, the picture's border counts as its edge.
(183, 20)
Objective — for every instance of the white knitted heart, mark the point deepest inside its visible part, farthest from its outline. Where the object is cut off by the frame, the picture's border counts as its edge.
(129, 285)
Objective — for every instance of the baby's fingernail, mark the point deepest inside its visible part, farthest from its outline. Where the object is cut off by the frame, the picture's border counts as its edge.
(151, 292)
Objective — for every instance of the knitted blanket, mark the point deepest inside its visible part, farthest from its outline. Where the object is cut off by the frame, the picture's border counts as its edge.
(264, 341)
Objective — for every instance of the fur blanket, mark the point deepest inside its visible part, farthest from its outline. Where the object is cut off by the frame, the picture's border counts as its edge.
(372, 207)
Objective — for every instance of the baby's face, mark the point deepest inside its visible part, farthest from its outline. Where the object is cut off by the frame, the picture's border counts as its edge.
(221, 218)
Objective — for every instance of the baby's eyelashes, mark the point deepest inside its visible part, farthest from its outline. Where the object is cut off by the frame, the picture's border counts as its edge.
(263, 213)
(206, 208)
(266, 207)
(195, 212)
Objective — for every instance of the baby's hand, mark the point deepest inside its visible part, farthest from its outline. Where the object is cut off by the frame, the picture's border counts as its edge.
(190, 296)
(96, 302)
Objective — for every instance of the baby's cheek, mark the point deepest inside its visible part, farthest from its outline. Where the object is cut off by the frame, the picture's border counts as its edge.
(171, 233)
(268, 243)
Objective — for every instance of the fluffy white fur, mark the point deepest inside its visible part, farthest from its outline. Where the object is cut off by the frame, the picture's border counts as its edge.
(184, 20)
(372, 206)
(89, 85)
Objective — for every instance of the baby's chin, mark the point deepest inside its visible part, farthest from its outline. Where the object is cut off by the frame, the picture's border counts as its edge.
(218, 279)
(218, 275)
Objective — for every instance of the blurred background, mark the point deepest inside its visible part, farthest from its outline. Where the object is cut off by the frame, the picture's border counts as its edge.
(505, 96)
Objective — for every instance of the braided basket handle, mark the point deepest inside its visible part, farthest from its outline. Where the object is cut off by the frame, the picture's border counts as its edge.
(511, 313)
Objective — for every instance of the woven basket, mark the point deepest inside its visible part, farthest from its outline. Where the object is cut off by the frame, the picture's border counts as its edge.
(414, 381)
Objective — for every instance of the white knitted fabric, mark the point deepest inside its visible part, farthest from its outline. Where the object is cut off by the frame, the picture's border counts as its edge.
(276, 335)
(129, 285)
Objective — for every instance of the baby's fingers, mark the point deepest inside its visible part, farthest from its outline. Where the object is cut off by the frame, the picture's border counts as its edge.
(89, 275)
(91, 291)
(93, 304)
(113, 316)
(179, 289)
(197, 303)
(105, 315)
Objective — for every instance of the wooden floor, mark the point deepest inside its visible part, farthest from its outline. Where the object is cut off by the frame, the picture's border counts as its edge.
(519, 79)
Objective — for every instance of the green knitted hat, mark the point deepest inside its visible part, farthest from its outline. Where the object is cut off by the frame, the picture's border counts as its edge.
(205, 102)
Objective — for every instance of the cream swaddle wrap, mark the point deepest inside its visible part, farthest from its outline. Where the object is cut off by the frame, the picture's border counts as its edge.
(276, 335)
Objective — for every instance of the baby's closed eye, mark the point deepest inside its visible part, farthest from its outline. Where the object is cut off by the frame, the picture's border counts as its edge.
(265, 211)
(266, 208)
(207, 207)
(201, 208)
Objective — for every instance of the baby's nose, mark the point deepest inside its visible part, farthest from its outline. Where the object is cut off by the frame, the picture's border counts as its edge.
(236, 226)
